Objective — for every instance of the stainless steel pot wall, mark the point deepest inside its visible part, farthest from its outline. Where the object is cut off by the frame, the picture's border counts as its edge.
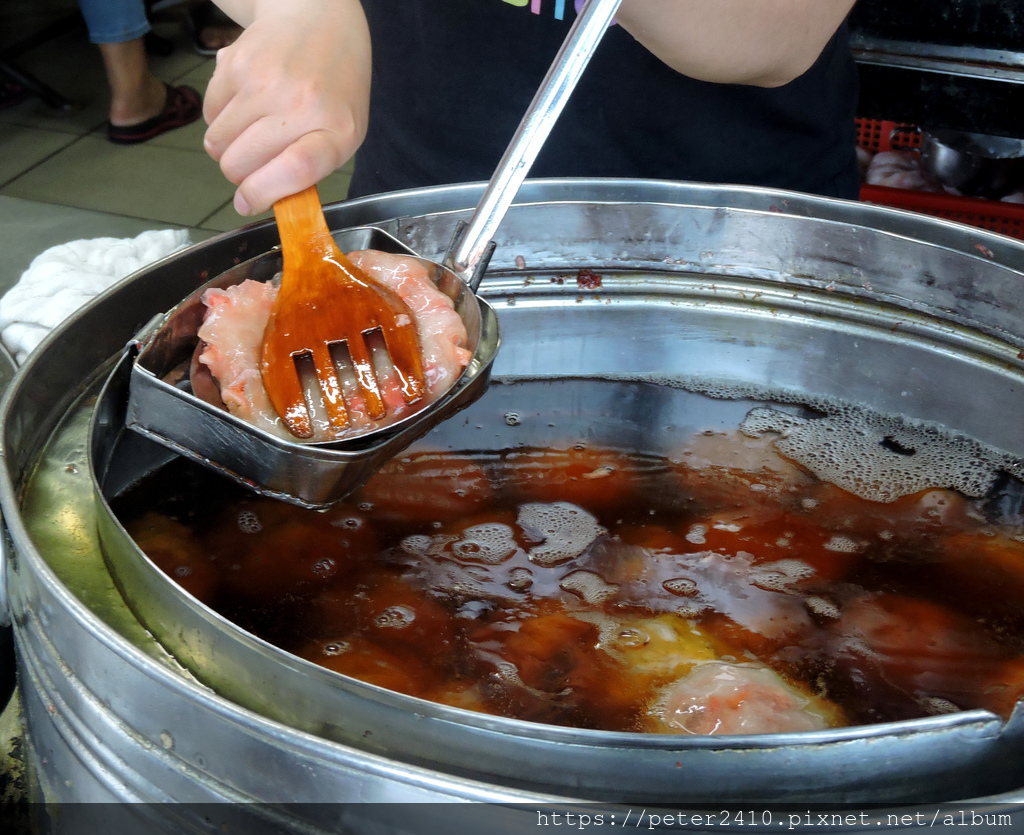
(906, 314)
(7, 371)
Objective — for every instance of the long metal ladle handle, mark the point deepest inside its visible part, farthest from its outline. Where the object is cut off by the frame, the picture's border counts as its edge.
(573, 56)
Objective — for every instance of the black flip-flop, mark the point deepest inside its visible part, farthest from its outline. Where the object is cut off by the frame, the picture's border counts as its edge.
(183, 106)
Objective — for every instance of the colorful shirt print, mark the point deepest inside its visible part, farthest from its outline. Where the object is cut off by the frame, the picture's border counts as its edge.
(558, 6)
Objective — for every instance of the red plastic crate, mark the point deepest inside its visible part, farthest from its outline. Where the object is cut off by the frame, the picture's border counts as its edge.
(876, 135)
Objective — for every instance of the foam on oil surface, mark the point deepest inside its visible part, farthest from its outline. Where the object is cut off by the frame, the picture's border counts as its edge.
(564, 530)
(876, 456)
(489, 543)
(881, 457)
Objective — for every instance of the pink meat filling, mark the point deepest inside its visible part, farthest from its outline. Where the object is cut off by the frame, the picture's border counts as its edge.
(232, 335)
(719, 698)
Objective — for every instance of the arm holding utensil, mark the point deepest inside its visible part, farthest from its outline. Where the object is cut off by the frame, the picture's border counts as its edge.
(288, 101)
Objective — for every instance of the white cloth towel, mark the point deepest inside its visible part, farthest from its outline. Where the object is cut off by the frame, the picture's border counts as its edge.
(63, 278)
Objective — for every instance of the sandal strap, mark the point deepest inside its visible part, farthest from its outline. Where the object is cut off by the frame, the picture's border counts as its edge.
(182, 106)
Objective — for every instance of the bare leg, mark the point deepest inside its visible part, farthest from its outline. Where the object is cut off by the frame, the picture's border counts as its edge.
(135, 93)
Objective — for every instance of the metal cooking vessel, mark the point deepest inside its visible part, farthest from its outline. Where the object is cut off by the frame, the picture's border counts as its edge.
(907, 314)
(7, 372)
(974, 164)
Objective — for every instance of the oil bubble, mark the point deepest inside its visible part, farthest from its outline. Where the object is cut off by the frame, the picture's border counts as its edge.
(395, 617)
(324, 567)
(680, 586)
(564, 530)
(416, 544)
(589, 586)
(520, 579)
(632, 638)
(489, 543)
(475, 609)
(842, 545)
(249, 522)
(778, 575)
(822, 606)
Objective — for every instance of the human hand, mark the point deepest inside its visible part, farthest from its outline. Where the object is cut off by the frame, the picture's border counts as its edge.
(288, 101)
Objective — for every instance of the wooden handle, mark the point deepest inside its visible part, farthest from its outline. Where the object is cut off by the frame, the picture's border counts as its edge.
(302, 226)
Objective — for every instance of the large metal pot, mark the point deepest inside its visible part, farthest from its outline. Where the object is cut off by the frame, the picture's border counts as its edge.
(765, 290)
(7, 371)
(974, 164)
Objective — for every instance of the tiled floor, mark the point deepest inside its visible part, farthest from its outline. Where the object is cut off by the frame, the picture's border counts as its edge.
(60, 179)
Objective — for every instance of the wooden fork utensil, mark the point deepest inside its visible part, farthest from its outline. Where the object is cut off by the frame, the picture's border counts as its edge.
(324, 300)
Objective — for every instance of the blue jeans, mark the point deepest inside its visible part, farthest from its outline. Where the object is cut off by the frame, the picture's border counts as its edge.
(114, 21)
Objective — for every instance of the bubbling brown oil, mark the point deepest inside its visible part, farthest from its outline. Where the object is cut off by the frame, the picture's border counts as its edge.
(597, 589)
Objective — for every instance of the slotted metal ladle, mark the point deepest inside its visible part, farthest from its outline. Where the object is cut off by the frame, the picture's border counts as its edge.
(162, 405)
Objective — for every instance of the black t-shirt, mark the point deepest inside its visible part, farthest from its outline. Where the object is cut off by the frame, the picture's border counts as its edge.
(452, 78)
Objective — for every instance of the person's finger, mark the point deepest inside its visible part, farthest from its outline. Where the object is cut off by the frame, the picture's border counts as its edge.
(237, 96)
(242, 139)
(254, 148)
(267, 137)
(302, 164)
(221, 88)
(238, 116)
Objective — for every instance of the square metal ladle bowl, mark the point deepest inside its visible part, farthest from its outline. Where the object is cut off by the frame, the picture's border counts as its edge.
(162, 406)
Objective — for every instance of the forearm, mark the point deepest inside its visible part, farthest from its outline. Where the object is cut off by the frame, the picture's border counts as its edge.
(765, 43)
